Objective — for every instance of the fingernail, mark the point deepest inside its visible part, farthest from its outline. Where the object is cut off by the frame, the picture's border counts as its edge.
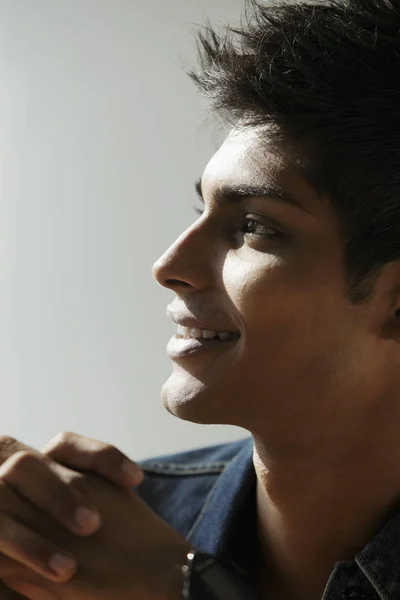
(87, 519)
(131, 469)
(62, 564)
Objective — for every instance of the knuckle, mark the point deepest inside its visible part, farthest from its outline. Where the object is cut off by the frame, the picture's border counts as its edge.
(8, 447)
(64, 438)
(21, 461)
(60, 446)
(6, 441)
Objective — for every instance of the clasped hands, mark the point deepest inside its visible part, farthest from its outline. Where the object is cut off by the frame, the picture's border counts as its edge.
(73, 528)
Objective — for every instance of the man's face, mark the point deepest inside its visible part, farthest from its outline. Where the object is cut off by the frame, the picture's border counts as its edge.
(272, 271)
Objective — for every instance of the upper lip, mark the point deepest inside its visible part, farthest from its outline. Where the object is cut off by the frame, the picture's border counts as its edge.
(193, 323)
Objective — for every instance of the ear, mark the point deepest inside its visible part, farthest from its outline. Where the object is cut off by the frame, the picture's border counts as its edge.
(391, 328)
(384, 307)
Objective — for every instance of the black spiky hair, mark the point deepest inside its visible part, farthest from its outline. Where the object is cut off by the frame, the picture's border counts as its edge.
(325, 76)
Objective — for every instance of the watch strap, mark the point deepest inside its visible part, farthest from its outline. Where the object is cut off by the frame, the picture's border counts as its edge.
(208, 578)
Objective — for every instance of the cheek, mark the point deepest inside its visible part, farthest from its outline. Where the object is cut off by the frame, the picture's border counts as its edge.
(291, 352)
(285, 319)
(265, 298)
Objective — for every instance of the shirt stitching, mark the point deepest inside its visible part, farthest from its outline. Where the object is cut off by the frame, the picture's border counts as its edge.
(178, 469)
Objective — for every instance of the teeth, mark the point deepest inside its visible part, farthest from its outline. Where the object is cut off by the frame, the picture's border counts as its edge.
(224, 336)
(189, 333)
(208, 334)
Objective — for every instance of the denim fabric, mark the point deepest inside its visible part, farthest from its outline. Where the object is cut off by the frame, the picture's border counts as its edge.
(209, 495)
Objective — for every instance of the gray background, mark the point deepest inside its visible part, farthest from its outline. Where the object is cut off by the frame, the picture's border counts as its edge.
(101, 137)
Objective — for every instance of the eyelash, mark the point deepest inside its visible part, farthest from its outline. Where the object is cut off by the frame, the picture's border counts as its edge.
(253, 219)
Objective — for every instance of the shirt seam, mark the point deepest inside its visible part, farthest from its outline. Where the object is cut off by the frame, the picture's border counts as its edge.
(179, 469)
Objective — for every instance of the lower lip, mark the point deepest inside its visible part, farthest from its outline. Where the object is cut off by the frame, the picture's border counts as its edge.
(178, 347)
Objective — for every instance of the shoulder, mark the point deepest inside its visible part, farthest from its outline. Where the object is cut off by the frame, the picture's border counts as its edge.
(176, 486)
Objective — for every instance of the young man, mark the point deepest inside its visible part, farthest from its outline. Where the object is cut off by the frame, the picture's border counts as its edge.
(287, 300)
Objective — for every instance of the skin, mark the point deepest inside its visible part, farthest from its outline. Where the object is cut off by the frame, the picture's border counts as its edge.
(129, 553)
(313, 377)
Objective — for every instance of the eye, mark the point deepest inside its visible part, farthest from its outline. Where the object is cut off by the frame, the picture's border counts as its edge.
(252, 226)
(258, 228)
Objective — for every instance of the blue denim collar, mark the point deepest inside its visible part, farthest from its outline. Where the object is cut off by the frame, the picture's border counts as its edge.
(227, 496)
(226, 527)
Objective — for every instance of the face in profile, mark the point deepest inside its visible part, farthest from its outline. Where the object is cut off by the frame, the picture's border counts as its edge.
(264, 264)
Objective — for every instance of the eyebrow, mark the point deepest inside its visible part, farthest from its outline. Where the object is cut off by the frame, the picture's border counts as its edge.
(231, 193)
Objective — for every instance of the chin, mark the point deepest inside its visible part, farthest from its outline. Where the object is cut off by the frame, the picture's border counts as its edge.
(189, 399)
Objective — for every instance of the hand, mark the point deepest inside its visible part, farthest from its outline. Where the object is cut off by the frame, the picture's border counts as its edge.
(134, 554)
(29, 478)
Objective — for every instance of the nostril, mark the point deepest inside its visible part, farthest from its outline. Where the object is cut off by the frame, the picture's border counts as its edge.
(171, 282)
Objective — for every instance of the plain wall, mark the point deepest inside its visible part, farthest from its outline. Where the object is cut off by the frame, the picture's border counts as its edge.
(102, 135)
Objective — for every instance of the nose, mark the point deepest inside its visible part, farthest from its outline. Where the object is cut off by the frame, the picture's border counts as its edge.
(187, 264)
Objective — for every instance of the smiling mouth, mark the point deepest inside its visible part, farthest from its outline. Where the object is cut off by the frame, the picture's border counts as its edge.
(181, 347)
(187, 333)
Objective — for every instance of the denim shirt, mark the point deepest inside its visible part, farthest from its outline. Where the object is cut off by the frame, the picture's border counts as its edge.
(209, 496)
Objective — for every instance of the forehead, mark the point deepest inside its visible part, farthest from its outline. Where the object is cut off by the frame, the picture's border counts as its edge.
(250, 155)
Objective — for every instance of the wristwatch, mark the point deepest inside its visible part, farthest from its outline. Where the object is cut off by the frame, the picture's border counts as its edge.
(207, 578)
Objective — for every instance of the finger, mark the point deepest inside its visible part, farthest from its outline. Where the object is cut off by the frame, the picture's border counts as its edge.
(86, 454)
(30, 590)
(32, 475)
(7, 594)
(9, 446)
(32, 551)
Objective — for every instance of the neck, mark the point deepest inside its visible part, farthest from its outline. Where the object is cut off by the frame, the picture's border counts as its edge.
(316, 511)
